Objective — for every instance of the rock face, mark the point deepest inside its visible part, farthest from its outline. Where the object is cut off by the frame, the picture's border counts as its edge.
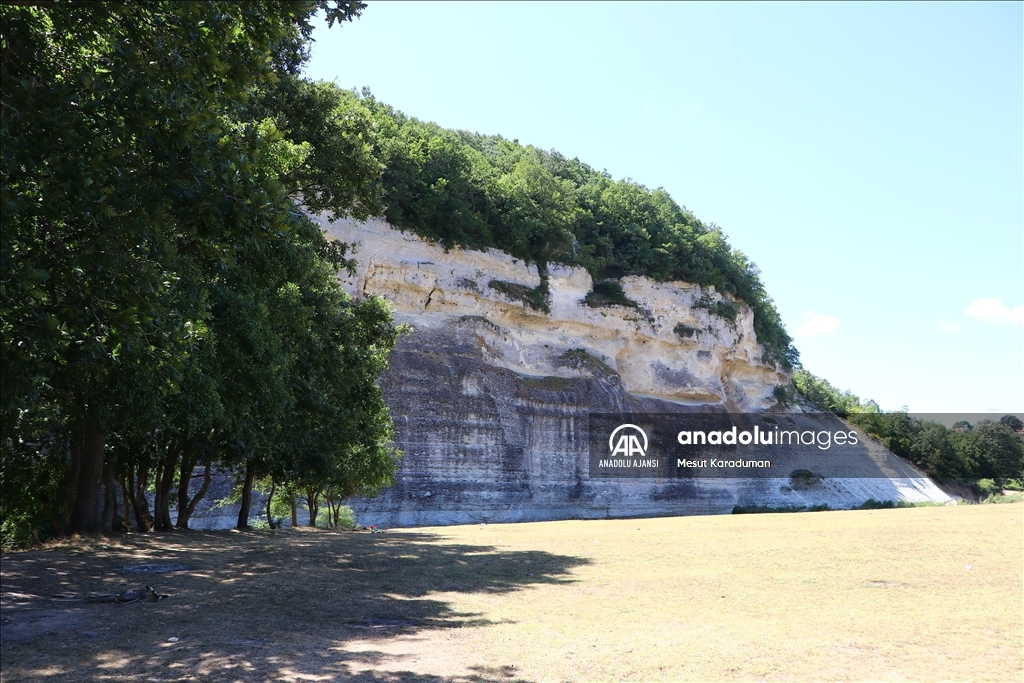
(491, 397)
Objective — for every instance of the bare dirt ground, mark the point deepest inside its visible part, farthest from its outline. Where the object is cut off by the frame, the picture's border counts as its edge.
(906, 594)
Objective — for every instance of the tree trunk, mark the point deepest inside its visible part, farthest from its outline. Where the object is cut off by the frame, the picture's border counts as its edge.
(127, 511)
(270, 498)
(329, 499)
(142, 484)
(164, 482)
(109, 491)
(185, 512)
(137, 497)
(128, 486)
(295, 512)
(188, 463)
(75, 453)
(313, 502)
(85, 512)
(246, 502)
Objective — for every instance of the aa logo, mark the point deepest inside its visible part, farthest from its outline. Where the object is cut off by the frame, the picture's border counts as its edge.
(627, 444)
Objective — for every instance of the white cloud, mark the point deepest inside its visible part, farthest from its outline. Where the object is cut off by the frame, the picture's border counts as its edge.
(948, 327)
(992, 310)
(816, 325)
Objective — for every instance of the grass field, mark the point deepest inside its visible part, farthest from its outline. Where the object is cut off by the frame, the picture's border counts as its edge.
(916, 594)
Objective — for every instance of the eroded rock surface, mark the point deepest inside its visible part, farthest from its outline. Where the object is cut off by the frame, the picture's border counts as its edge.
(490, 396)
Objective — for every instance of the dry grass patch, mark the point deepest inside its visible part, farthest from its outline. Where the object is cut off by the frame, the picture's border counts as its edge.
(904, 594)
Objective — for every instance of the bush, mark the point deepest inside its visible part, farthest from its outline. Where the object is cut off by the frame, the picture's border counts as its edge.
(801, 480)
(1004, 498)
(537, 298)
(343, 515)
(608, 293)
(685, 331)
(784, 394)
(986, 488)
(830, 399)
(723, 309)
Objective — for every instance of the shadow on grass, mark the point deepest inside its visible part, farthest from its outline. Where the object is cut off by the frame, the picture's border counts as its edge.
(253, 606)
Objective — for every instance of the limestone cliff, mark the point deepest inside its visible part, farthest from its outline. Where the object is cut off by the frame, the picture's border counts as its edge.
(490, 396)
(718, 361)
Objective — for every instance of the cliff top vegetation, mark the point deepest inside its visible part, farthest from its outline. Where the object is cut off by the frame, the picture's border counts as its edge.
(479, 191)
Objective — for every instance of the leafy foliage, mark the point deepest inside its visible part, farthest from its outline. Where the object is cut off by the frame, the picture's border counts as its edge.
(481, 191)
(822, 394)
(723, 309)
(537, 298)
(989, 449)
(608, 293)
(685, 331)
(164, 302)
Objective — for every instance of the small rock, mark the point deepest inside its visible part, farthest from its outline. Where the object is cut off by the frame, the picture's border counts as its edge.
(172, 639)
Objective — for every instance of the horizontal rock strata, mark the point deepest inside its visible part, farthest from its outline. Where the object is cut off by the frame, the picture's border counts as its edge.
(490, 396)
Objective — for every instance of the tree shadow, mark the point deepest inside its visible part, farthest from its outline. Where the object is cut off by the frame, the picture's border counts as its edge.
(251, 606)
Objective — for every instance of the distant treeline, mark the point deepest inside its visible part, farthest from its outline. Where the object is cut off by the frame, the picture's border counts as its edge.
(988, 450)
(480, 191)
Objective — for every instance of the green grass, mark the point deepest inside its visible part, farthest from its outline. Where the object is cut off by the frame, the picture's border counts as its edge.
(1004, 498)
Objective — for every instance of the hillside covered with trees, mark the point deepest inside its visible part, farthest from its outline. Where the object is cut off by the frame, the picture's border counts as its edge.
(479, 191)
(988, 454)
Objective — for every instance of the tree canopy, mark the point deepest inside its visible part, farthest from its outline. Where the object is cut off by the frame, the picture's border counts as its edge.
(988, 450)
(481, 191)
(164, 300)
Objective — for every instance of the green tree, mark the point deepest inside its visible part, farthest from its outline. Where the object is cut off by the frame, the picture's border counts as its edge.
(843, 403)
(1003, 450)
(1013, 422)
(933, 449)
(336, 430)
(131, 167)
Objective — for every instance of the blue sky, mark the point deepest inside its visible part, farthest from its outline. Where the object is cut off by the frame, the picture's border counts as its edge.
(868, 157)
